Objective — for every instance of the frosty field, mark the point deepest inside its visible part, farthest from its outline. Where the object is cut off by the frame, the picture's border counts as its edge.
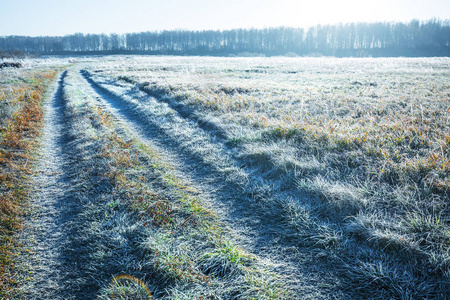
(238, 178)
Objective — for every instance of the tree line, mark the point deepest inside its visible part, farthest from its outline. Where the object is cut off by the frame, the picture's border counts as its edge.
(415, 38)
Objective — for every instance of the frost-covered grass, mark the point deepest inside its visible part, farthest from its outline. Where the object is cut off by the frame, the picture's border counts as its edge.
(21, 95)
(364, 143)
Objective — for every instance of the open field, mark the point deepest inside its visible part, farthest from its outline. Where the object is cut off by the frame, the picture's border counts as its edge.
(241, 178)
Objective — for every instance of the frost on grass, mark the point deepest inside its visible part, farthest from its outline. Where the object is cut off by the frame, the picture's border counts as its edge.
(363, 142)
(21, 118)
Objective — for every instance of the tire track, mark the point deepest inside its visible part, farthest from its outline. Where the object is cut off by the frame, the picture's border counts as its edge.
(238, 203)
(55, 263)
(52, 209)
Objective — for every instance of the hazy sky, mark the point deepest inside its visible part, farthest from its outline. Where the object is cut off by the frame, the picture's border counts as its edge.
(60, 17)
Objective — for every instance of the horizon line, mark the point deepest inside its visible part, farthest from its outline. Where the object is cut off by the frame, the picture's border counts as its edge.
(241, 28)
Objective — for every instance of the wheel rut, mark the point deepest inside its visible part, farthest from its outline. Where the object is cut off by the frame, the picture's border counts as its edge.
(51, 209)
(53, 263)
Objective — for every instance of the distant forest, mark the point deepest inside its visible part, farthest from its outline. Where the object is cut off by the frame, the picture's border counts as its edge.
(416, 38)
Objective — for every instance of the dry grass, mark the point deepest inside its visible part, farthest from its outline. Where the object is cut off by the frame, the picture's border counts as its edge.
(21, 121)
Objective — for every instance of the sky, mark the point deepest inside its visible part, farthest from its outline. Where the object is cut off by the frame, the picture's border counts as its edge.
(61, 17)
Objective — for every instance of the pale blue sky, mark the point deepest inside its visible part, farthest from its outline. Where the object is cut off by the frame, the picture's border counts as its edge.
(60, 17)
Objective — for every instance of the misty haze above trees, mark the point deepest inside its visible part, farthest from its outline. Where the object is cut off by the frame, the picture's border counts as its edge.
(416, 38)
